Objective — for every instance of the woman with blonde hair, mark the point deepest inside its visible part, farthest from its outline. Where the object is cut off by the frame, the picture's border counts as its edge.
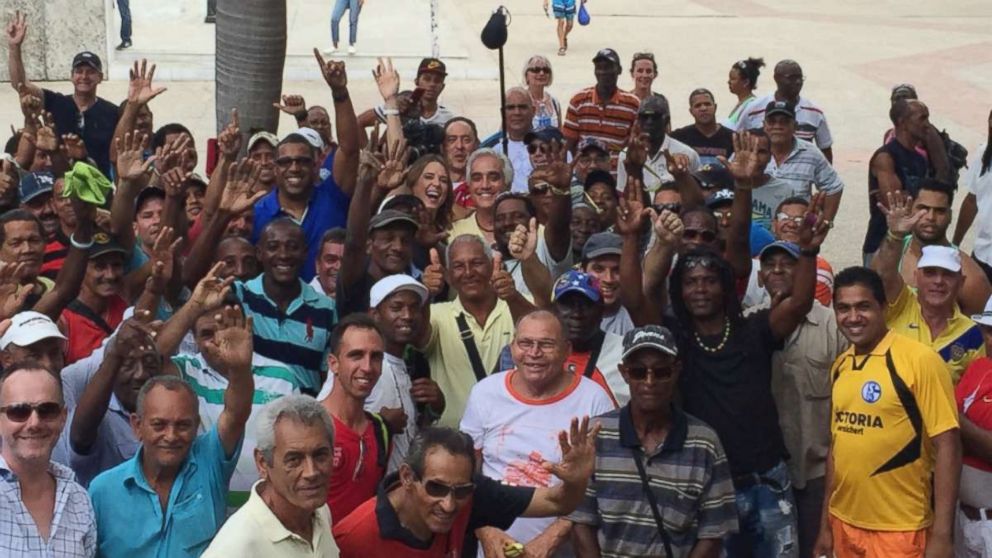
(538, 77)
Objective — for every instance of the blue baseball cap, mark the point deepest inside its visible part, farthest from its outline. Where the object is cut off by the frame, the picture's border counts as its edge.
(33, 184)
(790, 248)
(573, 281)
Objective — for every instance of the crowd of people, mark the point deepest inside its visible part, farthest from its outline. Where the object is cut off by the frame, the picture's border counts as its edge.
(381, 334)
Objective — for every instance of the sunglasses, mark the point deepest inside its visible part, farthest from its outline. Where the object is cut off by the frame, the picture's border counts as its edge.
(703, 261)
(640, 373)
(674, 207)
(703, 235)
(534, 147)
(21, 412)
(785, 217)
(286, 162)
(437, 489)
(539, 188)
(539, 70)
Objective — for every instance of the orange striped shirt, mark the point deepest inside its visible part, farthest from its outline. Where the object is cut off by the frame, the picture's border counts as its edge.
(609, 122)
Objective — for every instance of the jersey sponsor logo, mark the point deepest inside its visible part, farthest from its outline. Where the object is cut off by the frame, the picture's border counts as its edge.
(871, 391)
(855, 423)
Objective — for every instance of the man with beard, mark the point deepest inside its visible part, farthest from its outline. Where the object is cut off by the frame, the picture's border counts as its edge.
(291, 322)
(361, 439)
(99, 309)
(513, 417)
(889, 393)
(179, 479)
(708, 137)
(656, 152)
(289, 502)
(930, 313)
(329, 262)
(602, 111)
(933, 202)
(43, 509)
(83, 113)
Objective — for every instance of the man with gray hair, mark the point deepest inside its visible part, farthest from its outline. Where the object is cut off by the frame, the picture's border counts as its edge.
(179, 479)
(490, 173)
(519, 112)
(286, 514)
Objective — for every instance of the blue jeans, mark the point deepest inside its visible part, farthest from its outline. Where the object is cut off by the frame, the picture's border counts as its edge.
(767, 515)
(353, 10)
(124, 7)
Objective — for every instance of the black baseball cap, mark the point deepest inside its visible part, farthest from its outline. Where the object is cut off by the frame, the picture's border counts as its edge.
(781, 107)
(103, 243)
(432, 65)
(390, 216)
(151, 192)
(87, 58)
(608, 54)
(653, 337)
(547, 135)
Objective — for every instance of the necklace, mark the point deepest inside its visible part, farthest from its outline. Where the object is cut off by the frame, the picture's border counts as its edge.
(723, 342)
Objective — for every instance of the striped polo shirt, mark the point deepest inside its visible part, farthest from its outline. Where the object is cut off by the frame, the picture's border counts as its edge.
(804, 167)
(272, 381)
(688, 474)
(299, 337)
(609, 122)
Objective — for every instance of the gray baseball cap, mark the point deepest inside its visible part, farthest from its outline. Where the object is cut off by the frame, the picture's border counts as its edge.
(602, 244)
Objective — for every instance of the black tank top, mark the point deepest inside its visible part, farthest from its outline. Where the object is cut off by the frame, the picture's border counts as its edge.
(911, 168)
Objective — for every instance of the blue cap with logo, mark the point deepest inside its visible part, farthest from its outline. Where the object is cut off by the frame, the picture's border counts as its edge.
(573, 281)
(34, 184)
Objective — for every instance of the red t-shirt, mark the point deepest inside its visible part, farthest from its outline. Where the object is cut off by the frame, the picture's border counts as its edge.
(85, 334)
(974, 397)
(356, 470)
(56, 250)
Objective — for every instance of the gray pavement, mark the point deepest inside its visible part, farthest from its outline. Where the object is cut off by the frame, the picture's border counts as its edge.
(851, 51)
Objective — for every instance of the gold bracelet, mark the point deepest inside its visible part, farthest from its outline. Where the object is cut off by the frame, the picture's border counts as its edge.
(894, 238)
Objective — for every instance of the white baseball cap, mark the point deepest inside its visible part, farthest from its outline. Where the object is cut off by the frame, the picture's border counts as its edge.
(29, 327)
(267, 137)
(944, 257)
(311, 135)
(395, 283)
(985, 318)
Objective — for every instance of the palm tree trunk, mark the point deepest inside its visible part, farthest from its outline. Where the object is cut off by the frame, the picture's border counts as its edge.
(250, 55)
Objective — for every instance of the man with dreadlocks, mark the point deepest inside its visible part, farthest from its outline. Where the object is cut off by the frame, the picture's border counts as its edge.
(727, 381)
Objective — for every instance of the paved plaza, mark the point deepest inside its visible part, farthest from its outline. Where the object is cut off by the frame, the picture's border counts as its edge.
(851, 51)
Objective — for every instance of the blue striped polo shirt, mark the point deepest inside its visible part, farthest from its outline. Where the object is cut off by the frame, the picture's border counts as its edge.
(688, 474)
(297, 338)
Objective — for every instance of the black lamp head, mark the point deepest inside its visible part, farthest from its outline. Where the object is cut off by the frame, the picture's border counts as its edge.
(494, 33)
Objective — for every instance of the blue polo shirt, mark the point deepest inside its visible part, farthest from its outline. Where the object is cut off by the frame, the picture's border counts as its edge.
(297, 338)
(327, 209)
(130, 521)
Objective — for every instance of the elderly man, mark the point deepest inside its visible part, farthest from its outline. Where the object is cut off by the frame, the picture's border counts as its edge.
(426, 509)
(33, 336)
(654, 118)
(513, 417)
(286, 514)
(178, 481)
(930, 314)
(43, 510)
(519, 120)
(489, 174)
(652, 438)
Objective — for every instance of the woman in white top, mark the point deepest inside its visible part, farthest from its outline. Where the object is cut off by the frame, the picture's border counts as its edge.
(743, 80)
(643, 70)
(978, 202)
(537, 78)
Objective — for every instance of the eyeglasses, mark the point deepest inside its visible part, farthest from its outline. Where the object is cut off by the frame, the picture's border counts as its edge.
(674, 207)
(540, 70)
(721, 215)
(640, 373)
(21, 412)
(702, 235)
(785, 218)
(437, 489)
(286, 162)
(546, 345)
(535, 146)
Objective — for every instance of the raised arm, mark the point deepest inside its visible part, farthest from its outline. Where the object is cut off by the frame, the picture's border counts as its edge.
(746, 171)
(900, 219)
(506, 289)
(558, 173)
(295, 106)
(388, 81)
(578, 459)
(668, 229)
(133, 173)
(139, 93)
(523, 247)
(207, 296)
(632, 220)
(231, 349)
(70, 277)
(346, 157)
(228, 148)
(786, 315)
(17, 29)
(680, 167)
(966, 216)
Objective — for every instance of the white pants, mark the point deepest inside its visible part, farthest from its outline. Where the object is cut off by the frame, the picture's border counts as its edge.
(972, 539)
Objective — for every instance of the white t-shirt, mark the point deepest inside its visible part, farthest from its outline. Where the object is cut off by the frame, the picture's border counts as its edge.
(440, 117)
(981, 186)
(522, 167)
(656, 168)
(811, 124)
(393, 390)
(515, 435)
(618, 323)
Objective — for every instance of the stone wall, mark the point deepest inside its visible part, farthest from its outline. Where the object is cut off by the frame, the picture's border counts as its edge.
(57, 30)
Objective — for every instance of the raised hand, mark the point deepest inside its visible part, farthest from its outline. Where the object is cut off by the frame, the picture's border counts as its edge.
(632, 216)
(393, 173)
(556, 171)
(45, 138)
(523, 241)
(745, 167)
(387, 78)
(242, 189)
(899, 215)
(164, 250)
(293, 105)
(676, 163)
(501, 279)
(211, 290)
(140, 89)
(231, 345)
(8, 179)
(134, 336)
(433, 276)
(428, 234)
(814, 228)
(131, 165)
(578, 452)
(12, 294)
(31, 104)
(229, 139)
(73, 147)
(637, 148)
(668, 227)
(174, 183)
(333, 71)
(171, 154)
(17, 28)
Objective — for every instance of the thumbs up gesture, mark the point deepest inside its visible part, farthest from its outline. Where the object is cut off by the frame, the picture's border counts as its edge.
(502, 280)
(523, 241)
(433, 277)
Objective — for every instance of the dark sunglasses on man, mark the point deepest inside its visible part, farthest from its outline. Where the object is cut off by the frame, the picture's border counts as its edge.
(21, 412)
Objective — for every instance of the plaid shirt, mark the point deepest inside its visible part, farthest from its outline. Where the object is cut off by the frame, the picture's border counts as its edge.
(73, 530)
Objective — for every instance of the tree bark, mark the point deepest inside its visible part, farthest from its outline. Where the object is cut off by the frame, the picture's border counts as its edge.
(250, 56)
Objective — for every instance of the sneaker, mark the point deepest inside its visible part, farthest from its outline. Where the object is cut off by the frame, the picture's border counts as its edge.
(351, 49)
(123, 45)
(331, 51)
